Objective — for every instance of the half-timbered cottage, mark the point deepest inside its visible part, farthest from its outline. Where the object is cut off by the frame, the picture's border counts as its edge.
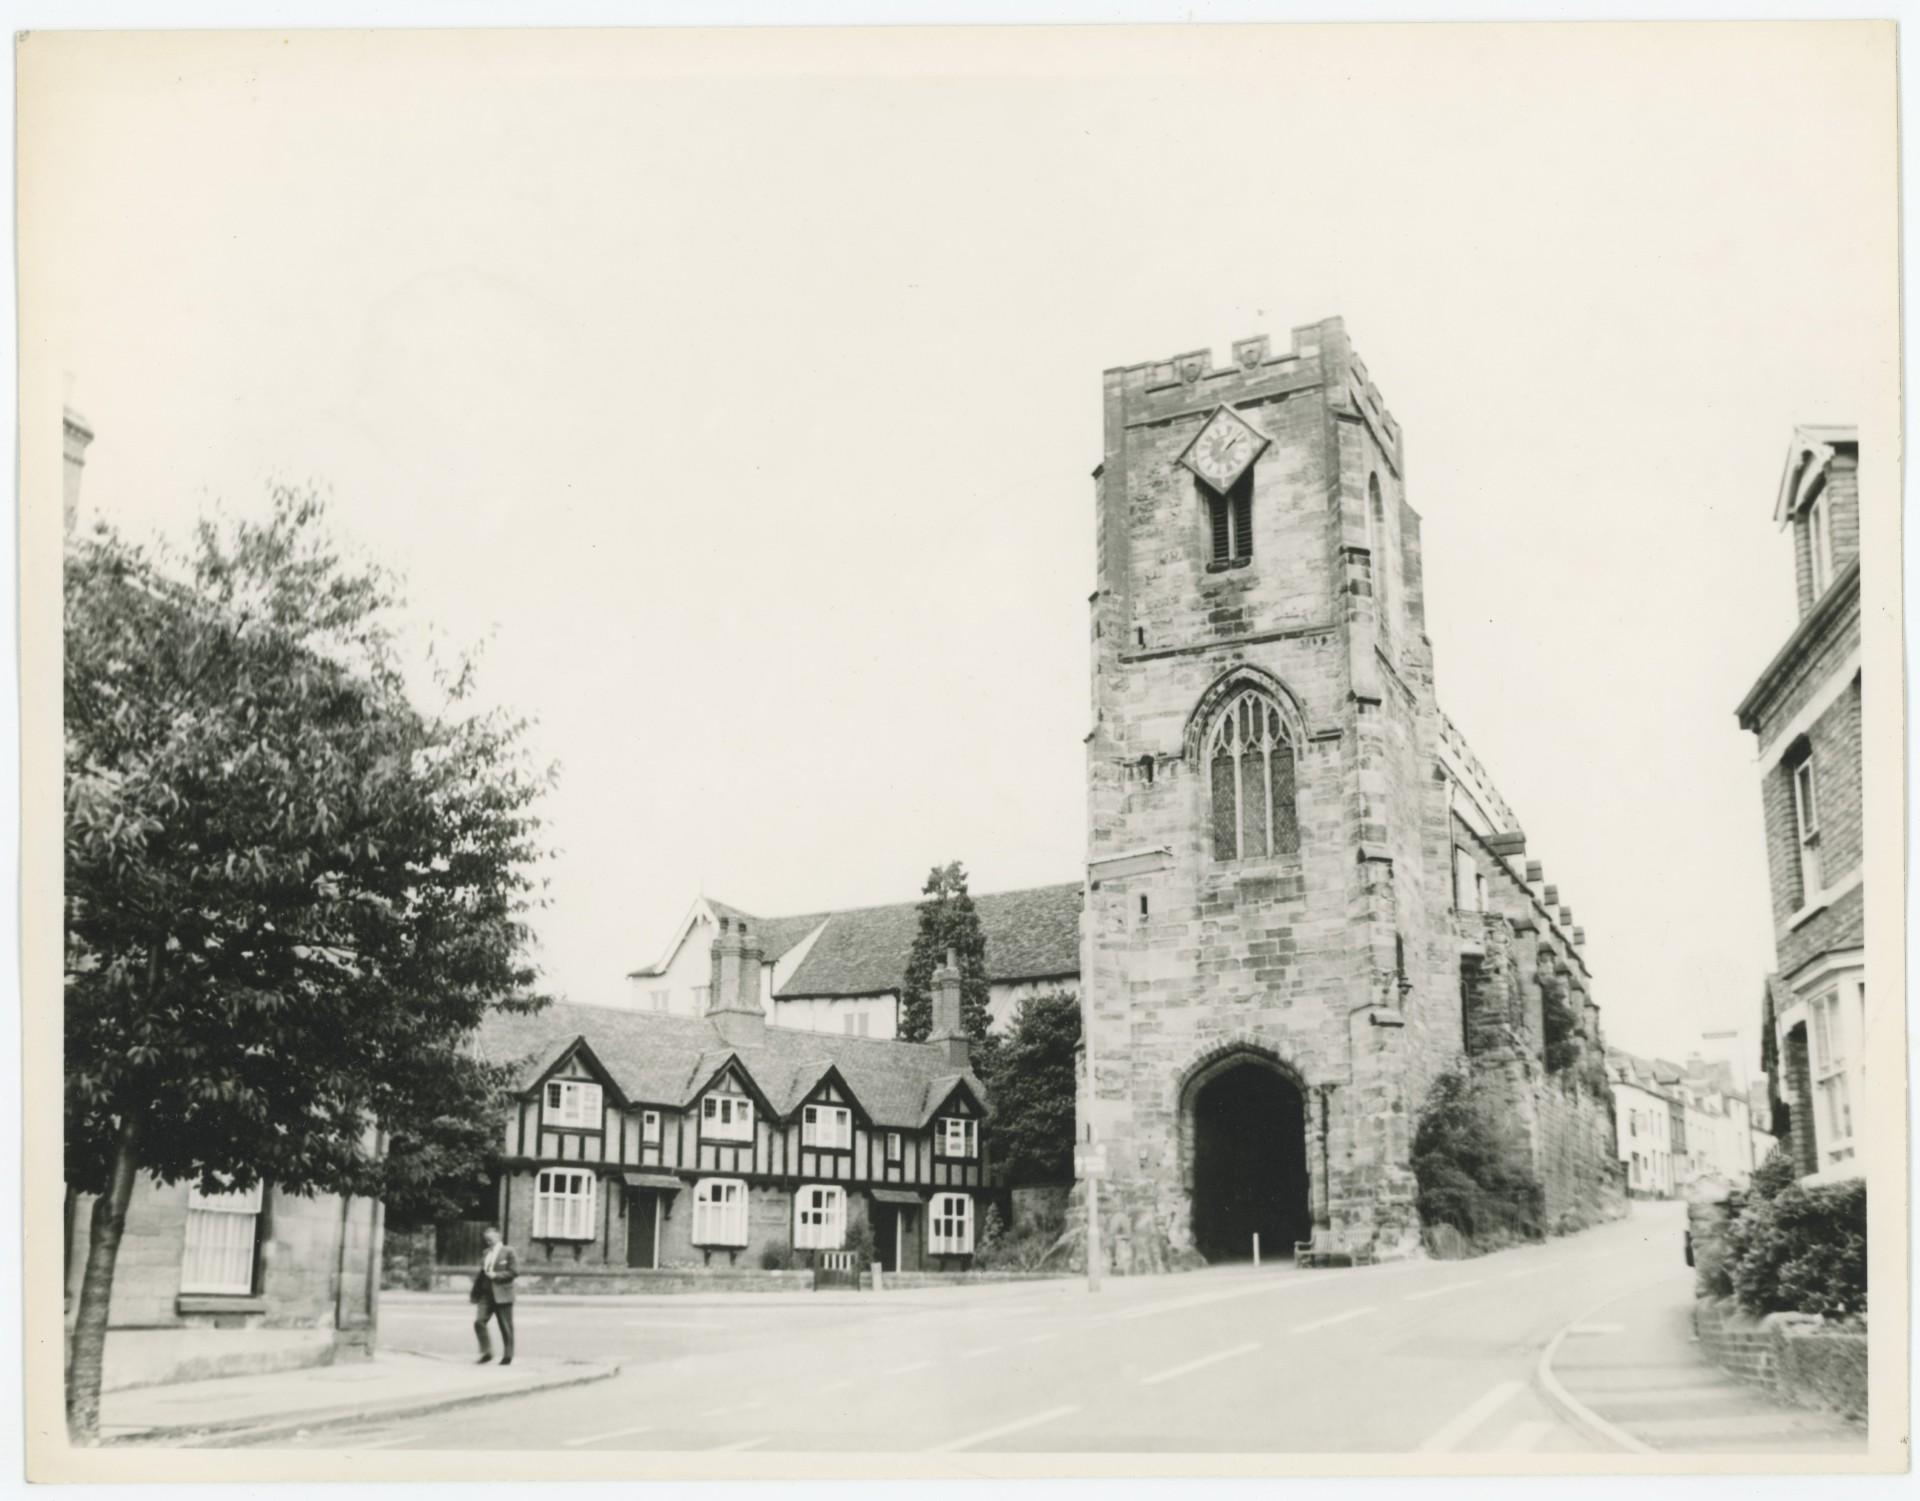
(648, 1141)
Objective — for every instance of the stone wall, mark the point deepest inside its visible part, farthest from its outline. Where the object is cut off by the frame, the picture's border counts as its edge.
(1792, 1355)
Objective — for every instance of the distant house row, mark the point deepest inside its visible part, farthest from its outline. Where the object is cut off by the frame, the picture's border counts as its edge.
(1678, 1125)
(842, 971)
(648, 1139)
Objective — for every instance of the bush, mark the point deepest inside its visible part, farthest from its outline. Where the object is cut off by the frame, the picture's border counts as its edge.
(1464, 1175)
(860, 1241)
(1027, 1249)
(1802, 1250)
(776, 1259)
(1773, 1175)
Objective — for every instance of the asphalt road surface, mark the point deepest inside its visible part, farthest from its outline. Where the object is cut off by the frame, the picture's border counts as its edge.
(1427, 1357)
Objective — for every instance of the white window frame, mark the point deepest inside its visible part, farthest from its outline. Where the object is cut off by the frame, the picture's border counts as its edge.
(856, 1024)
(1820, 540)
(1806, 824)
(828, 1126)
(701, 994)
(565, 1203)
(726, 1117)
(895, 1149)
(720, 1212)
(573, 1103)
(650, 1128)
(950, 1225)
(1828, 1032)
(959, 1136)
(819, 1217)
(660, 1000)
(221, 1242)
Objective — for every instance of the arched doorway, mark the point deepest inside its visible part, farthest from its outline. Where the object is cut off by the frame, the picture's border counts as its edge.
(1247, 1121)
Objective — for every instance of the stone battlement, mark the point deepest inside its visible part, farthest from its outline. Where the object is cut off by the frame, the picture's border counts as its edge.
(1253, 362)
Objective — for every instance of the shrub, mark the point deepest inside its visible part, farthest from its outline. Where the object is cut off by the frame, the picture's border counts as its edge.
(1562, 1032)
(1026, 1249)
(1802, 1250)
(1773, 1175)
(860, 1241)
(776, 1259)
(1464, 1175)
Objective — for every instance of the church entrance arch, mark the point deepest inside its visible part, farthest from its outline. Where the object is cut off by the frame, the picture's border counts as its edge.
(1245, 1118)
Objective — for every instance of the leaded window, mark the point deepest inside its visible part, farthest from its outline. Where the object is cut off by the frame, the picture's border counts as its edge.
(1250, 766)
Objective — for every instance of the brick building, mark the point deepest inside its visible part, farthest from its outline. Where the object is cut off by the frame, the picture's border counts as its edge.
(1306, 900)
(647, 1141)
(1804, 711)
(842, 971)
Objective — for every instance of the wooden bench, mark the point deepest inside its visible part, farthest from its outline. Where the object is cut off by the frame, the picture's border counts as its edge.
(1326, 1249)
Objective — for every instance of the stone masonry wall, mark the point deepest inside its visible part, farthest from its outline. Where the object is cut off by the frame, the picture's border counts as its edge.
(1336, 966)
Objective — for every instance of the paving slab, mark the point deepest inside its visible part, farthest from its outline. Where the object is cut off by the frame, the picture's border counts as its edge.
(393, 1384)
(1636, 1366)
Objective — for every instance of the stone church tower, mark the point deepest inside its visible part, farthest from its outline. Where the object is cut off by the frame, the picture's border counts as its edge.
(1270, 999)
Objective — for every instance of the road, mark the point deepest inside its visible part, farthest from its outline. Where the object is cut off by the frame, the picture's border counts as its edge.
(1426, 1357)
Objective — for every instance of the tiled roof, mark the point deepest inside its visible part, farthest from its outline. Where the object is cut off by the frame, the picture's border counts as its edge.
(775, 934)
(1031, 935)
(659, 1059)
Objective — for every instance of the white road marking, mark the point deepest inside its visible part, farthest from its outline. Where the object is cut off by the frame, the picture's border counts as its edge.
(1199, 1365)
(1451, 1435)
(601, 1438)
(1018, 1425)
(1435, 1292)
(1525, 1437)
(1338, 1318)
(1277, 1282)
(912, 1365)
(1597, 1329)
(983, 1350)
(732, 1407)
(745, 1443)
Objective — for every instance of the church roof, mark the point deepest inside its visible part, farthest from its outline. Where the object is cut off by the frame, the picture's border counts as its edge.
(659, 1059)
(1031, 935)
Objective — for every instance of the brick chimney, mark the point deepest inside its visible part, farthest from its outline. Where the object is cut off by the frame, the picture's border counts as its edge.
(947, 1029)
(733, 997)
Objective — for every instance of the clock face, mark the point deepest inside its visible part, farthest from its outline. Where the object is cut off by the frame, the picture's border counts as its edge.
(1224, 449)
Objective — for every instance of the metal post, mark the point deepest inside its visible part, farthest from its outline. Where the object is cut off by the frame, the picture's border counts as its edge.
(1256, 1248)
(1093, 1232)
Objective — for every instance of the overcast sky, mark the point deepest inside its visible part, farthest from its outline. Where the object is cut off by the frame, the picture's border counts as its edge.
(750, 408)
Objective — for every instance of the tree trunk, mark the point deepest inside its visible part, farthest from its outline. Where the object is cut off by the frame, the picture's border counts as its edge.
(89, 1348)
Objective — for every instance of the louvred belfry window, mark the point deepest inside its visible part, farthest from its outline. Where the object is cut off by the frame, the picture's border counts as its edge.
(1250, 766)
(1231, 515)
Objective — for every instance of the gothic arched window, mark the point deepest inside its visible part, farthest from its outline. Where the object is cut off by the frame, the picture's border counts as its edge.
(1250, 766)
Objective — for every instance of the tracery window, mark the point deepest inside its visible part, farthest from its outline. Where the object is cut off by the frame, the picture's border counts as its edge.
(1250, 763)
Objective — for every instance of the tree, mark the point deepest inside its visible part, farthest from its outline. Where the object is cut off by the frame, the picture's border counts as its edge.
(947, 921)
(291, 895)
(1033, 1088)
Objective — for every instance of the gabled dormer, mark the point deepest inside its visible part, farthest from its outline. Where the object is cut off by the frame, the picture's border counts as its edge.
(728, 1106)
(1819, 504)
(829, 1114)
(958, 1122)
(576, 1092)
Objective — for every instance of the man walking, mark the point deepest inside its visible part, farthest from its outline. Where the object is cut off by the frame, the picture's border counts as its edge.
(493, 1295)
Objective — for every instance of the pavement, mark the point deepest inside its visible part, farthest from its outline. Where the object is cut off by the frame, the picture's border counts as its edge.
(1580, 1346)
(294, 1404)
(1633, 1365)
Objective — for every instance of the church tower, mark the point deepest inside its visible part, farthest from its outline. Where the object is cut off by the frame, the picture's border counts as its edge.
(1269, 954)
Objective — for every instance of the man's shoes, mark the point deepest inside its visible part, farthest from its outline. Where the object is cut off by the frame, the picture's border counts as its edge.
(484, 1358)
(507, 1361)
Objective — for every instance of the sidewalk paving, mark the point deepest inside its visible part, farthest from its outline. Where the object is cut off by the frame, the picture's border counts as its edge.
(1635, 1365)
(394, 1384)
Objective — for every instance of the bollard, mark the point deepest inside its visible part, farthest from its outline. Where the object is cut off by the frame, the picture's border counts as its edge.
(876, 1276)
(1256, 1248)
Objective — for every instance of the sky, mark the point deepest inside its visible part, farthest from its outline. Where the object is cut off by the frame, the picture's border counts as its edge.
(742, 395)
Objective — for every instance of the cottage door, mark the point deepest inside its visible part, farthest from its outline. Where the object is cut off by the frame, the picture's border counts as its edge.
(643, 1227)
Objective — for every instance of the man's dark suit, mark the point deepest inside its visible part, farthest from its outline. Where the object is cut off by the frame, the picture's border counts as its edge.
(493, 1299)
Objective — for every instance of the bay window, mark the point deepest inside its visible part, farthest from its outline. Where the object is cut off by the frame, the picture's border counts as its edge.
(725, 1117)
(950, 1225)
(563, 1204)
(572, 1102)
(820, 1218)
(720, 1212)
(826, 1126)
